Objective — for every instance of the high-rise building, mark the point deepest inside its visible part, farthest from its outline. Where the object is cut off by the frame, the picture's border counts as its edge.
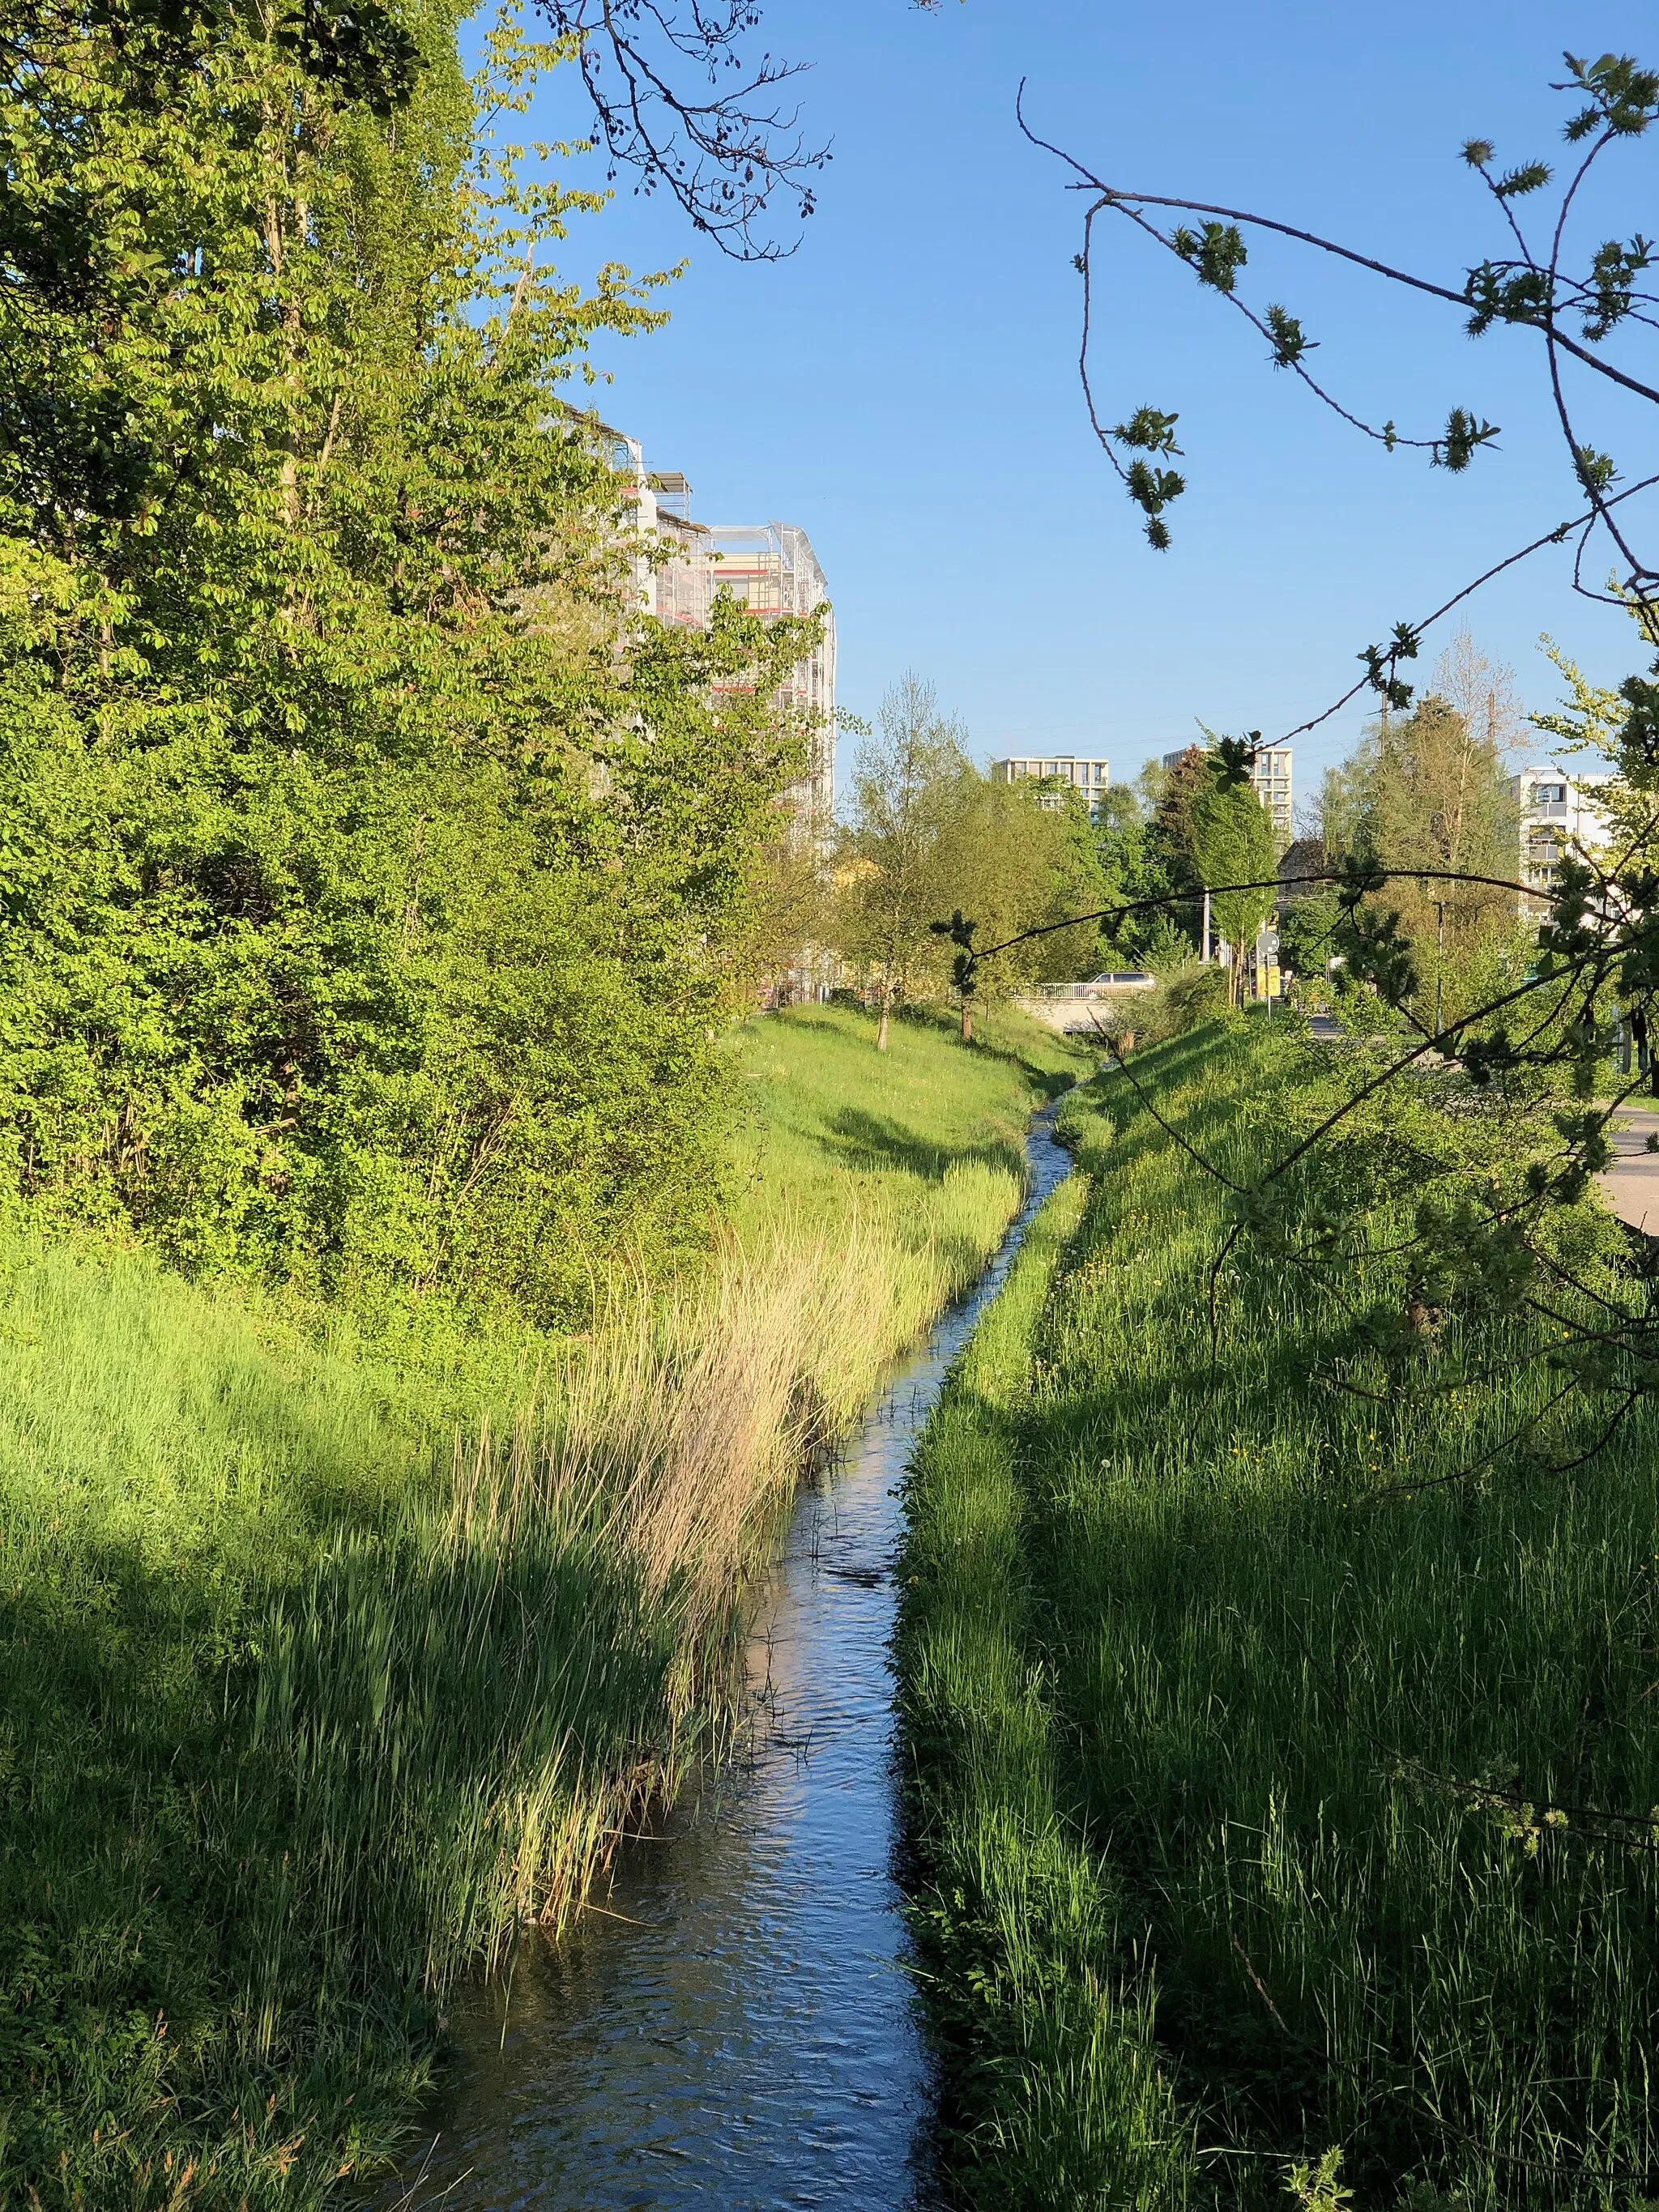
(1559, 814)
(1091, 776)
(770, 569)
(768, 566)
(1270, 778)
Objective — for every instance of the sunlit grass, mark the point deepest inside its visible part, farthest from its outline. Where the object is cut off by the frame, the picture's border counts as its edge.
(1287, 1732)
(304, 1707)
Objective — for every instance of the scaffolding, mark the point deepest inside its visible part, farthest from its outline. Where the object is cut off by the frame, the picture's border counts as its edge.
(681, 567)
(770, 569)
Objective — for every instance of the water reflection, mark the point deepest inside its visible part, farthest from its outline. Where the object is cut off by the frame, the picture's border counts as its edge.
(734, 2025)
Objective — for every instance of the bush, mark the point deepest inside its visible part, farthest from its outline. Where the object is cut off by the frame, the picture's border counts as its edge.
(1187, 997)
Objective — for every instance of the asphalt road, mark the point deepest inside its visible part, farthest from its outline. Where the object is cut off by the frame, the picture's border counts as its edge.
(1631, 1185)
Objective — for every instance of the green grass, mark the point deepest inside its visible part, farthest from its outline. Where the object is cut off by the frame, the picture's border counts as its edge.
(829, 1110)
(301, 1713)
(1229, 1774)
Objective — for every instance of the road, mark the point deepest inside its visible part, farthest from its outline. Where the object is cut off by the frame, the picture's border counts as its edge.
(1631, 1185)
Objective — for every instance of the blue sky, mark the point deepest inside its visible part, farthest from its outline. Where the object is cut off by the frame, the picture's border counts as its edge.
(905, 387)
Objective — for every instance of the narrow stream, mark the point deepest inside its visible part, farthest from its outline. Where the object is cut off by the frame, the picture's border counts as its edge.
(735, 2027)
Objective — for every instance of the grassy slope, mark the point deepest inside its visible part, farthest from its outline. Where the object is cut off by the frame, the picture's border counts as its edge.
(295, 1716)
(1211, 1883)
(916, 1151)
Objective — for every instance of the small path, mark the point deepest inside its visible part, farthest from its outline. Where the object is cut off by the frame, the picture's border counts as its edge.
(1631, 1185)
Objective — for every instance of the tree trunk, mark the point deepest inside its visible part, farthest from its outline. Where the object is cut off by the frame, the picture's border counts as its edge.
(967, 1022)
(881, 1029)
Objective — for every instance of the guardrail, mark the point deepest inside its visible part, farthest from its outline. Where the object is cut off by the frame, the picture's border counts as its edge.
(1099, 987)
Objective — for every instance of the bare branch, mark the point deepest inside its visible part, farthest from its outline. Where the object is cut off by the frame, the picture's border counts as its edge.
(728, 158)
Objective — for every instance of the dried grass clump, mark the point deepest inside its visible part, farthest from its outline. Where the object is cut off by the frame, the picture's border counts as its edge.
(675, 1425)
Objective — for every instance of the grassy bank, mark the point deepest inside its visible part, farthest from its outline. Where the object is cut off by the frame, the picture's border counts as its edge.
(1256, 1763)
(301, 1707)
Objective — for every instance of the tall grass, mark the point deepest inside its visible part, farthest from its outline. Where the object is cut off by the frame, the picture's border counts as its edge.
(1326, 1758)
(1053, 2095)
(305, 1707)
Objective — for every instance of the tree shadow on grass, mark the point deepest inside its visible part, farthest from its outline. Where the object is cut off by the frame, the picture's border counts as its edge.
(266, 1824)
(877, 1141)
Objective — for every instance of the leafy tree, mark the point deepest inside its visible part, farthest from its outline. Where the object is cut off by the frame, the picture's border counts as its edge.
(1023, 855)
(1172, 863)
(1308, 934)
(1232, 844)
(907, 786)
(375, 879)
(1138, 873)
(1069, 877)
(1429, 790)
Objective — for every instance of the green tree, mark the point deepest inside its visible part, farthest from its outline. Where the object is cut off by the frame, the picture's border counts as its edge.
(909, 784)
(375, 878)
(1135, 861)
(1430, 790)
(1232, 843)
(1021, 857)
(1171, 857)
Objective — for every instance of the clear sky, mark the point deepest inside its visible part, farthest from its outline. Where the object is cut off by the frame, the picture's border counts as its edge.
(905, 387)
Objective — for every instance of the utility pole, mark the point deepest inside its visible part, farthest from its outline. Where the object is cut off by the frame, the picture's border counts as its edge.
(1440, 965)
(1205, 956)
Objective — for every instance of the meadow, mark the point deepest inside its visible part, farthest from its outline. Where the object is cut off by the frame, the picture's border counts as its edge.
(325, 1661)
(1283, 1728)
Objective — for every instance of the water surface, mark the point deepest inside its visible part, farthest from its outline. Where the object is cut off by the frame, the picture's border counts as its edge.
(733, 2027)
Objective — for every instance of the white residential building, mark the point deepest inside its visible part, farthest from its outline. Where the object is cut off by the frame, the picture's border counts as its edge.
(1091, 776)
(1559, 813)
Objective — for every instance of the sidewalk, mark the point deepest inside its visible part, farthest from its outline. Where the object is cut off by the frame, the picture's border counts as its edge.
(1631, 1185)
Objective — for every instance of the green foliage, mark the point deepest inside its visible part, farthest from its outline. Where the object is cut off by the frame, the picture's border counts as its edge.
(1191, 995)
(927, 833)
(1463, 435)
(1291, 341)
(1232, 844)
(1624, 97)
(1025, 857)
(893, 880)
(1136, 860)
(1430, 790)
(1217, 251)
(1287, 1670)
(1306, 929)
(1383, 664)
(1317, 2185)
(1169, 850)
(373, 871)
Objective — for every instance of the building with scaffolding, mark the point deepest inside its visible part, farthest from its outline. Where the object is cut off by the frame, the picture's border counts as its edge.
(682, 566)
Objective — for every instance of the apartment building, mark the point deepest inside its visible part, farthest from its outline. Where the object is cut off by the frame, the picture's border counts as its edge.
(1091, 776)
(1270, 777)
(1559, 814)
